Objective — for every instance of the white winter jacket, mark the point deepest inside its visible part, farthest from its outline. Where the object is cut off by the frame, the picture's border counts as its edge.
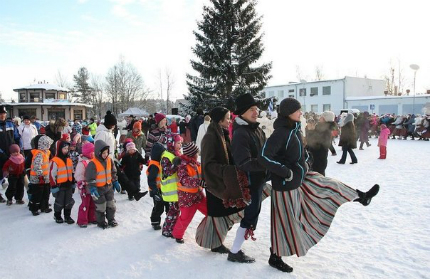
(102, 133)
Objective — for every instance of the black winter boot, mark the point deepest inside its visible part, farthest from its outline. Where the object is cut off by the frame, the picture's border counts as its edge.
(278, 263)
(221, 249)
(366, 197)
(57, 217)
(139, 195)
(67, 217)
(240, 257)
(112, 223)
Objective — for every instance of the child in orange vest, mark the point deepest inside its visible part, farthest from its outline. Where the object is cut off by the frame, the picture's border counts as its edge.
(39, 176)
(102, 180)
(61, 181)
(190, 195)
(153, 174)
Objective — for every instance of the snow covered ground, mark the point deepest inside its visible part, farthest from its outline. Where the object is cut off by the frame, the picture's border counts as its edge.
(388, 239)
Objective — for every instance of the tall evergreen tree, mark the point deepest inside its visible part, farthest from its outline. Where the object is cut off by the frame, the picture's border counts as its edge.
(229, 44)
(82, 90)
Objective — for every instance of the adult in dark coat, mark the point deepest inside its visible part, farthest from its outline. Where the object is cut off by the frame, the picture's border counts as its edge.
(319, 141)
(348, 139)
(195, 123)
(410, 127)
(364, 130)
(226, 187)
(53, 130)
(303, 204)
(247, 143)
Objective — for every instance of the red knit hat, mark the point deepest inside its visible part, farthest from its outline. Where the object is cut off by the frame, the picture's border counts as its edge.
(14, 148)
(87, 149)
(137, 125)
(159, 117)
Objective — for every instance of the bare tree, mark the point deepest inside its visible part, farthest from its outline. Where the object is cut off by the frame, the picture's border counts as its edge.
(1, 97)
(319, 73)
(98, 85)
(169, 85)
(124, 86)
(299, 74)
(61, 80)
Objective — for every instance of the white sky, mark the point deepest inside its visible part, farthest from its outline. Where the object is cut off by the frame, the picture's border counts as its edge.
(344, 38)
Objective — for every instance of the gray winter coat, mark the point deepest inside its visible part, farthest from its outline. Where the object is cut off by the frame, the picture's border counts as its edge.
(91, 171)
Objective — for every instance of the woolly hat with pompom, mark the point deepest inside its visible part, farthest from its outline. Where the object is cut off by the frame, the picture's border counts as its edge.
(87, 149)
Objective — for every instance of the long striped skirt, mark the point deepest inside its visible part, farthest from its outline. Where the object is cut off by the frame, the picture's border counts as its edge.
(300, 218)
(212, 231)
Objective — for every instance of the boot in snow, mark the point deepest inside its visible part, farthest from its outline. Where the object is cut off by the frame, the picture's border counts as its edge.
(221, 249)
(366, 197)
(139, 195)
(57, 217)
(278, 263)
(102, 225)
(67, 217)
(240, 257)
(112, 223)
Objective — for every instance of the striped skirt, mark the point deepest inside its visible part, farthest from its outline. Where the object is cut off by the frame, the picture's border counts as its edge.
(212, 231)
(301, 217)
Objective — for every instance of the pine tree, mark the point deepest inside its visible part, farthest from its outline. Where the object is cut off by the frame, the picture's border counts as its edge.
(229, 44)
(82, 90)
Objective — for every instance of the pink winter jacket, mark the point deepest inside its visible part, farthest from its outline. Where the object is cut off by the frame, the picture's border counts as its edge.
(80, 171)
(383, 136)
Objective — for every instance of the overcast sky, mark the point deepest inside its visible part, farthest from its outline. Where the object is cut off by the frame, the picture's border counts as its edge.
(41, 38)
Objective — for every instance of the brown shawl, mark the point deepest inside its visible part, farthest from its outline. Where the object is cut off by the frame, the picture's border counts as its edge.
(222, 177)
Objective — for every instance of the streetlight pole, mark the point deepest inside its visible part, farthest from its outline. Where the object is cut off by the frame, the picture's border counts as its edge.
(415, 68)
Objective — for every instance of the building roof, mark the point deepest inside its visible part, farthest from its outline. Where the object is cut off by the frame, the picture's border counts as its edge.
(50, 102)
(43, 86)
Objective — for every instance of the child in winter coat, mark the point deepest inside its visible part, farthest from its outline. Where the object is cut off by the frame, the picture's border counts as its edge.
(190, 195)
(14, 170)
(100, 175)
(86, 213)
(39, 176)
(153, 174)
(132, 164)
(383, 140)
(137, 136)
(61, 181)
(170, 160)
(74, 155)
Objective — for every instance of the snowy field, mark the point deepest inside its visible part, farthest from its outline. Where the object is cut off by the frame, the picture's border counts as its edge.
(388, 239)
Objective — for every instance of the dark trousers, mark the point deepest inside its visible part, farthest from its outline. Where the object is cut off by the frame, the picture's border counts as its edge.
(39, 197)
(252, 211)
(157, 211)
(332, 150)
(16, 187)
(131, 192)
(345, 151)
(64, 199)
(27, 153)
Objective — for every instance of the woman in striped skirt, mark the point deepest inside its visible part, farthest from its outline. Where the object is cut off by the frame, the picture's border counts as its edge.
(304, 203)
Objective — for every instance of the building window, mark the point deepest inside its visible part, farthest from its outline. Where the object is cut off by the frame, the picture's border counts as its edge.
(34, 96)
(291, 95)
(55, 114)
(327, 90)
(326, 107)
(314, 91)
(291, 90)
(22, 97)
(26, 112)
(280, 93)
(77, 114)
(302, 92)
(50, 95)
(314, 108)
(62, 95)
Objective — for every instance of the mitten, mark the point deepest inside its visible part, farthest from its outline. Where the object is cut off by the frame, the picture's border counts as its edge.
(155, 193)
(4, 183)
(176, 161)
(289, 178)
(117, 186)
(94, 193)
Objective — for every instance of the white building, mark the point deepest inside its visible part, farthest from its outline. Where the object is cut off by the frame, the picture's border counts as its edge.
(46, 102)
(320, 96)
(399, 105)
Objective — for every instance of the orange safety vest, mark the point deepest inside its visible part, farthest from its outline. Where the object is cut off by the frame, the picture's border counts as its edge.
(158, 179)
(45, 162)
(193, 173)
(103, 176)
(64, 172)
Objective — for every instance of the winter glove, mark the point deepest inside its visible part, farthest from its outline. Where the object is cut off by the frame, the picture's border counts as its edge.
(176, 161)
(41, 180)
(94, 193)
(4, 183)
(117, 186)
(202, 183)
(155, 193)
(290, 177)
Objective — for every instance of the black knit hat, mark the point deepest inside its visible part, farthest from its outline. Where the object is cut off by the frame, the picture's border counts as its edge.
(3, 109)
(288, 106)
(218, 113)
(110, 119)
(243, 103)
